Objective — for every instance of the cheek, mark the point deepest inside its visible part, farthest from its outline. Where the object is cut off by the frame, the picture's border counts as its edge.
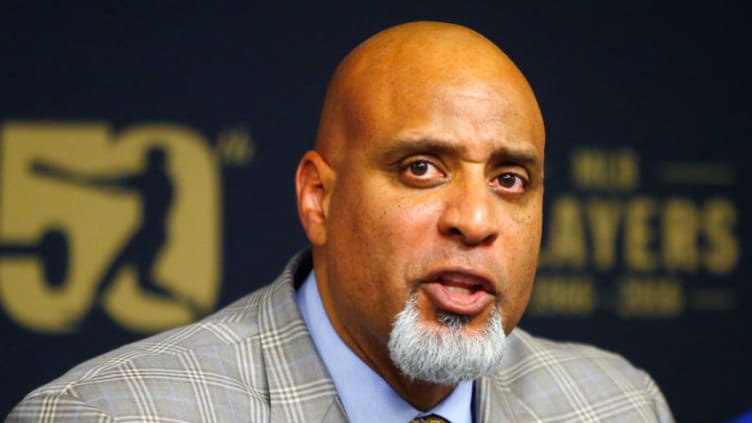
(388, 220)
(521, 262)
(410, 225)
(375, 241)
(524, 228)
(379, 233)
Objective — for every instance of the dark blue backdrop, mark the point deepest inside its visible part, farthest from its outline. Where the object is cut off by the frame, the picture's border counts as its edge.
(667, 84)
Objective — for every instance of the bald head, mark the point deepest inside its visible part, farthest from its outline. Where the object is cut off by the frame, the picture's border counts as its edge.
(407, 64)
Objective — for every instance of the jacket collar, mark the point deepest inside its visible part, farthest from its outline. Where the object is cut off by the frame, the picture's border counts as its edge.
(300, 389)
(494, 398)
(497, 403)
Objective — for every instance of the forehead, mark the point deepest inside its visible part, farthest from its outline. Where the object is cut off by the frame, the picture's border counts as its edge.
(475, 118)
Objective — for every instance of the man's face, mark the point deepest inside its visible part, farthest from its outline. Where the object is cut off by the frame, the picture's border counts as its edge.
(438, 193)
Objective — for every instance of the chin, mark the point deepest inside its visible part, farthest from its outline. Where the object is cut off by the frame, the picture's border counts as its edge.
(449, 349)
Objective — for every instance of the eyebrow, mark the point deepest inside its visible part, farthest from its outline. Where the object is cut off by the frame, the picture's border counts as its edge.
(406, 146)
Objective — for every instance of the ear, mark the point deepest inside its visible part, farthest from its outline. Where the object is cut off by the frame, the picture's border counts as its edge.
(314, 182)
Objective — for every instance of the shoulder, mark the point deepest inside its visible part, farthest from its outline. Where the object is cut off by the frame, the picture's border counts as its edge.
(529, 354)
(206, 371)
(577, 382)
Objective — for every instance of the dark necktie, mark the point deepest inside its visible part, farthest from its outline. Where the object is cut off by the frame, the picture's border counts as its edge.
(433, 418)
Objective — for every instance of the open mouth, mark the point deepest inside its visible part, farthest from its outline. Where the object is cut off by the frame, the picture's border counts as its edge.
(459, 292)
(460, 289)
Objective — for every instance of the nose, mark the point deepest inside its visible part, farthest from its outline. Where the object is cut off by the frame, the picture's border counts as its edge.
(471, 214)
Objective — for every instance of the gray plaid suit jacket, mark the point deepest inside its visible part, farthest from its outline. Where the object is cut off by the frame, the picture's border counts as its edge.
(254, 361)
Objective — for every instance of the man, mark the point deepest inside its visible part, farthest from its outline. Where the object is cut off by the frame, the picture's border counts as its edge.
(422, 201)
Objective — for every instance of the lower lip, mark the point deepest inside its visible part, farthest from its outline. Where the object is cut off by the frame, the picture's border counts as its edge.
(456, 302)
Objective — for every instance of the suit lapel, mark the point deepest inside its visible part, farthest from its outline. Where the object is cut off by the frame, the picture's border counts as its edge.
(300, 388)
(496, 403)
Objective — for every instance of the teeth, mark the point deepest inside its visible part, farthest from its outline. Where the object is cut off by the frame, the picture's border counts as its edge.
(458, 290)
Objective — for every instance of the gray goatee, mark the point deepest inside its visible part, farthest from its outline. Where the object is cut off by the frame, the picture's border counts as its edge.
(444, 355)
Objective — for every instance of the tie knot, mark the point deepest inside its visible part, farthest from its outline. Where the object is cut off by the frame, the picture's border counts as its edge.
(433, 418)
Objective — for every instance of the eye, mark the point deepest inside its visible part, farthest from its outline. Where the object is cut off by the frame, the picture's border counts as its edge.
(510, 182)
(419, 168)
(421, 172)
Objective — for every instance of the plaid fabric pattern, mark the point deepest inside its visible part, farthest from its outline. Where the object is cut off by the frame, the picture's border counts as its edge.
(254, 361)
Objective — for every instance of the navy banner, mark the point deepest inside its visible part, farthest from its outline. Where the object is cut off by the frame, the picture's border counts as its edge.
(147, 154)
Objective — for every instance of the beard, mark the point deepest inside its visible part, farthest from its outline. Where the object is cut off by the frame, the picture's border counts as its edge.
(444, 355)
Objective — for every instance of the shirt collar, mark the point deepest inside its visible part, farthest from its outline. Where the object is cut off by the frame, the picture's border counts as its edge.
(363, 392)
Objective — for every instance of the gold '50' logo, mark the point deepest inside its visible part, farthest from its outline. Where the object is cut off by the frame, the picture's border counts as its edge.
(126, 222)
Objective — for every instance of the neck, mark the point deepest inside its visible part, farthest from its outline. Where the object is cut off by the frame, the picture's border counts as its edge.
(422, 395)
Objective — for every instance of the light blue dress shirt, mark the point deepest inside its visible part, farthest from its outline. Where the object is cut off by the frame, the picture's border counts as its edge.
(364, 394)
